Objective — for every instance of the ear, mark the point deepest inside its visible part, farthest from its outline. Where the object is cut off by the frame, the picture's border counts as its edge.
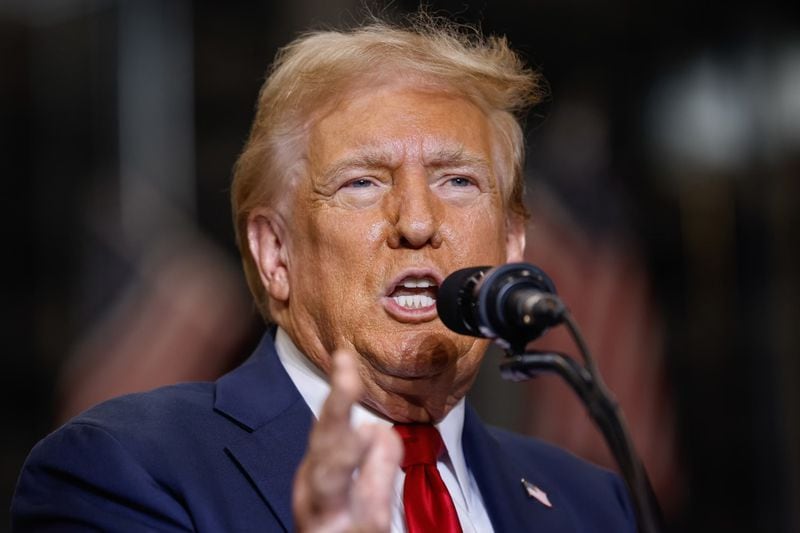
(266, 238)
(515, 239)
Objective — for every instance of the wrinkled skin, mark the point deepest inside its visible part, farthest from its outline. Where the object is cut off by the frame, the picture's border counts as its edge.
(400, 181)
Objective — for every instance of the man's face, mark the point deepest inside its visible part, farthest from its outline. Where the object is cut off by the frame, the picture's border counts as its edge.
(401, 191)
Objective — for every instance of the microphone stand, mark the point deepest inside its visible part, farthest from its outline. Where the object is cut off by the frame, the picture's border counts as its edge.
(586, 381)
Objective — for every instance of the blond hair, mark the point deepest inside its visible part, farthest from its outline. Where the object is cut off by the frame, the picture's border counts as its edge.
(319, 67)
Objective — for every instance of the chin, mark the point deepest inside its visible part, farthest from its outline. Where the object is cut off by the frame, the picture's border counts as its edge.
(404, 410)
(416, 355)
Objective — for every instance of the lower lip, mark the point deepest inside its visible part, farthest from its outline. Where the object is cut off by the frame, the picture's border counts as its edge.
(404, 314)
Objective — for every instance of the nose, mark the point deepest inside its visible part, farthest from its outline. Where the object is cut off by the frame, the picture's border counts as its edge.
(416, 214)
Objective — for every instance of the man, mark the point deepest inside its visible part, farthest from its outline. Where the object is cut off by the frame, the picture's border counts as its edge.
(380, 160)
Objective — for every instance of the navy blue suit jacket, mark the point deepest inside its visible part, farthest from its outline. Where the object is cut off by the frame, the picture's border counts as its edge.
(221, 457)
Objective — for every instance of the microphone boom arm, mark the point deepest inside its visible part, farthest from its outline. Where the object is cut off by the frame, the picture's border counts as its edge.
(602, 408)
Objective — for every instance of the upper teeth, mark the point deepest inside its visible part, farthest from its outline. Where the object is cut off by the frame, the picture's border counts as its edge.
(413, 283)
(414, 301)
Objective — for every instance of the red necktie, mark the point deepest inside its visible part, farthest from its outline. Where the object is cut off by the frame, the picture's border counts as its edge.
(427, 503)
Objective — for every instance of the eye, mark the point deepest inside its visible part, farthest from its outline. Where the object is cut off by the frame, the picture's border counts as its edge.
(360, 183)
(360, 192)
(458, 187)
(460, 181)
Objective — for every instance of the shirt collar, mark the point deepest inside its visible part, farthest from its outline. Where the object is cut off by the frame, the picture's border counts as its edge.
(314, 388)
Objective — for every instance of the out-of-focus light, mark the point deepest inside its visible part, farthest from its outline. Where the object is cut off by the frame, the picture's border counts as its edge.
(700, 121)
(714, 119)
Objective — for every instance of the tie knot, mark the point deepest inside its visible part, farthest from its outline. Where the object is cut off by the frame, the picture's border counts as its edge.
(422, 444)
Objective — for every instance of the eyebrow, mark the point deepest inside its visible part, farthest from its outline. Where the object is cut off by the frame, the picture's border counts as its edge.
(366, 159)
(458, 157)
(441, 158)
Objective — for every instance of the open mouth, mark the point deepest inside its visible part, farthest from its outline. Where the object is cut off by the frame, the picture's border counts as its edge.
(413, 293)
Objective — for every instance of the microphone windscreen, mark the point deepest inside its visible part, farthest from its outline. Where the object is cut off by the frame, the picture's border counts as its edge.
(453, 301)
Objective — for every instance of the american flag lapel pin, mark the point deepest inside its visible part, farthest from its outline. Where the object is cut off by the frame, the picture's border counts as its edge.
(536, 493)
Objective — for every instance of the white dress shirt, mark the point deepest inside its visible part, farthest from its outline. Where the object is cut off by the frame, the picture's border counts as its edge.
(314, 388)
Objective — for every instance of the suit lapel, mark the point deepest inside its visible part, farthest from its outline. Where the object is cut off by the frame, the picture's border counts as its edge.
(270, 456)
(260, 398)
(499, 476)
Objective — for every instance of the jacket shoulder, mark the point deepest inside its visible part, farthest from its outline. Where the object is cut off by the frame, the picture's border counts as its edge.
(120, 463)
(159, 407)
(545, 455)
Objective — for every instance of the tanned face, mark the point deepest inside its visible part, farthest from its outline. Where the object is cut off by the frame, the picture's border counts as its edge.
(401, 190)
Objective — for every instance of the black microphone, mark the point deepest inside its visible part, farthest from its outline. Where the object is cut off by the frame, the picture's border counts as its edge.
(512, 303)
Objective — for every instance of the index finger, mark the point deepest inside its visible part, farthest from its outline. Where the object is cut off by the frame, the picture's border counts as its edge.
(346, 389)
(335, 449)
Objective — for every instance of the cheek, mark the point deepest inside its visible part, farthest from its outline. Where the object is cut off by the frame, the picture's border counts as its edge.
(478, 235)
(347, 236)
(338, 253)
(333, 233)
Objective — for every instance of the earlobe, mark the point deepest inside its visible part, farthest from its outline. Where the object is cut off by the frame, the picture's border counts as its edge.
(515, 239)
(266, 239)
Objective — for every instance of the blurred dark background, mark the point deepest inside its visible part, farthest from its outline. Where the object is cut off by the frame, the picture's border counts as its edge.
(664, 184)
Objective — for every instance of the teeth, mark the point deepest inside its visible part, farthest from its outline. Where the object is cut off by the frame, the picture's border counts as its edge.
(413, 283)
(414, 301)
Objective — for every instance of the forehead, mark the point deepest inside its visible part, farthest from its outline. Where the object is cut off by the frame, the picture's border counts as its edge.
(393, 122)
